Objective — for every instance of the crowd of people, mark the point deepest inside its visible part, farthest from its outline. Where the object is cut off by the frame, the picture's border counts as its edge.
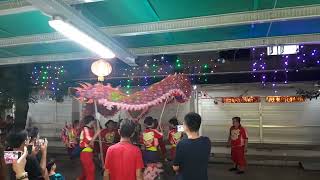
(6, 125)
(128, 151)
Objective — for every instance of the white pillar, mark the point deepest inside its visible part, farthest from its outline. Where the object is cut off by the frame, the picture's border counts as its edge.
(260, 122)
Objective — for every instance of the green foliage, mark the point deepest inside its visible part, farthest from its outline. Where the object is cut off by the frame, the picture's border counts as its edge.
(16, 88)
(15, 84)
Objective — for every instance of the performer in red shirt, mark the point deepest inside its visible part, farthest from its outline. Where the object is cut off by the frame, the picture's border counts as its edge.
(174, 137)
(73, 134)
(162, 144)
(124, 160)
(150, 138)
(238, 140)
(87, 138)
(109, 136)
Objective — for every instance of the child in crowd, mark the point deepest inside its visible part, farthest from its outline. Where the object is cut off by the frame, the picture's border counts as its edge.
(109, 136)
(174, 136)
(51, 167)
(238, 140)
(151, 141)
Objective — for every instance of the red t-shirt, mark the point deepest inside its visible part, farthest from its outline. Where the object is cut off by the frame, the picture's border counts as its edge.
(238, 136)
(151, 138)
(174, 137)
(86, 136)
(122, 161)
(108, 137)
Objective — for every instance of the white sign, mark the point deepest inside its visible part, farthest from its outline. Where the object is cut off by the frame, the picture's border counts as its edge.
(282, 50)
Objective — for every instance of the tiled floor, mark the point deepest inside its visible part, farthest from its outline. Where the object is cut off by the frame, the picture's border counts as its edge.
(271, 152)
(70, 169)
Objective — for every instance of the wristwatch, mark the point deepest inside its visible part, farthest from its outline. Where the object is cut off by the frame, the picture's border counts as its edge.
(23, 176)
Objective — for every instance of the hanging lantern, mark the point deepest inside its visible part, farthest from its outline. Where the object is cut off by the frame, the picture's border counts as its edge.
(101, 68)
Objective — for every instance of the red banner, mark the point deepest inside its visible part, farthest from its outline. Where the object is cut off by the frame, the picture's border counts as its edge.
(284, 99)
(248, 99)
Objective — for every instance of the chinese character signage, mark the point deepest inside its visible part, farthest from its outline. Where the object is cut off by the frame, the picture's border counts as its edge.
(284, 99)
(249, 99)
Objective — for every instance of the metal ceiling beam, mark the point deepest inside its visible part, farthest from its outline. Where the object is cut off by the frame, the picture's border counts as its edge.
(175, 49)
(60, 8)
(229, 44)
(48, 58)
(13, 7)
(179, 25)
(32, 39)
(204, 22)
(20, 6)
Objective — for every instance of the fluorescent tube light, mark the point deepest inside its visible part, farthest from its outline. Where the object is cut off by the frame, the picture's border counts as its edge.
(80, 37)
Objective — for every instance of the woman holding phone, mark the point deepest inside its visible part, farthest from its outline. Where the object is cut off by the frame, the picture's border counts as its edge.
(19, 165)
(18, 141)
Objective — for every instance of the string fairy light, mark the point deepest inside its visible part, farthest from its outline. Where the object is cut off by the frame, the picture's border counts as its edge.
(199, 69)
(49, 77)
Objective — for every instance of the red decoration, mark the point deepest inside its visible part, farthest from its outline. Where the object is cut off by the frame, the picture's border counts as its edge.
(285, 99)
(250, 99)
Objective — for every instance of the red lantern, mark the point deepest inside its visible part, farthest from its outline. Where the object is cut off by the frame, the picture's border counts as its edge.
(101, 68)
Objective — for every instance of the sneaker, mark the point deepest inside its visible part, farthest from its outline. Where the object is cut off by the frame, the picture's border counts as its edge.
(240, 172)
(233, 169)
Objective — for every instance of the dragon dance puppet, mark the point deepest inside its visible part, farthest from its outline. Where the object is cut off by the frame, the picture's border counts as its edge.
(109, 101)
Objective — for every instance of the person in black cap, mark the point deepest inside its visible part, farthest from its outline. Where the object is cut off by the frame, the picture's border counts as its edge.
(151, 141)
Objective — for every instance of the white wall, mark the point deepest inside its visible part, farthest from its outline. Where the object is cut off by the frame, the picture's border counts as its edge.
(50, 116)
(217, 119)
(288, 123)
(297, 123)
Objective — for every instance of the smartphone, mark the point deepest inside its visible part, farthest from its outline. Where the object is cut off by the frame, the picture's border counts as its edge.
(11, 156)
(40, 141)
(180, 128)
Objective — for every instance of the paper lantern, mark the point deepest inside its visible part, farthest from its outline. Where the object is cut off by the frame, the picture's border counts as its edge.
(101, 68)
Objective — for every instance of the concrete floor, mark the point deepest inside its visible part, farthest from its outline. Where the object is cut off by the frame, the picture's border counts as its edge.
(71, 169)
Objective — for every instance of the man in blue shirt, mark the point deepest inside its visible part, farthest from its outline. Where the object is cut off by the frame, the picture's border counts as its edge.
(192, 154)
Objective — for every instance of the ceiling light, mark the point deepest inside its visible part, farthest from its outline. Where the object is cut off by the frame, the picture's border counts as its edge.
(73, 33)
